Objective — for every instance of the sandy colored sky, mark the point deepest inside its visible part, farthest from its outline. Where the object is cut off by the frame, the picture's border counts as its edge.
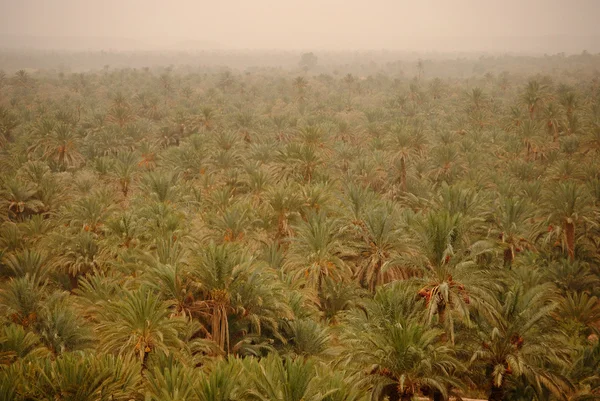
(295, 24)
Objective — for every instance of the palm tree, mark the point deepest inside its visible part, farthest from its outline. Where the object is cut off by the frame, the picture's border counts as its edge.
(138, 325)
(78, 255)
(170, 383)
(581, 308)
(349, 81)
(567, 204)
(85, 376)
(160, 185)
(27, 262)
(529, 131)
(16, 343)
(8, 122)
(379, 248)
(22, 78)
(403, 145)
(208, 117)
(235, 290)
(451, 281)
(224, 382)
(244, 123)
(511, 227)
(278, 379)
(60, 327)
(420, 68)
(285, 205)
(124, 169)
(121, 114)
(404, 357)
(61, 147)
(299, 158)
(18, 199)
(21, 300)
(551, 116)
(584, 372)
(519, 340)
(307, 337)
(533, 96)
(316, 252)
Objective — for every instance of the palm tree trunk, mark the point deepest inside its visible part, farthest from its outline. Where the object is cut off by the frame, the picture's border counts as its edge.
(437, 396)
(406, 396)
(496, 394)
(403, 174)
(392, 393)
(442, 321)
(74, 280)
(570, 234)
(220, 327)
(509, 256)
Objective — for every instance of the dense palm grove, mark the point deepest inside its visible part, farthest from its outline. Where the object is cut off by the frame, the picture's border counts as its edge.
(273, 234)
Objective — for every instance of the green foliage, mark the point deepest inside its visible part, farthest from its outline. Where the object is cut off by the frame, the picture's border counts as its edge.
(340, 232)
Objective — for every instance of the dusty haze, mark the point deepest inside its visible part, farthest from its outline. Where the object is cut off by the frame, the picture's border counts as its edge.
(430, 25)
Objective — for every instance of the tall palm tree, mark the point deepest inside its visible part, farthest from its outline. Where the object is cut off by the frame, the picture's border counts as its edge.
(567, 205)
(533, 96)
(285, 205)
(237, 296)
(551, 116)
(300, 84)
(450, 278)
(404, 147)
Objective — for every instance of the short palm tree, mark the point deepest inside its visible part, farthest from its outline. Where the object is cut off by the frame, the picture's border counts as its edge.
(403, 356)
(17, 343)
(21, 300)
(519, 339)
(124, 169)
(379, 246)
(511, 227)
(18, 199)
(60, 327)
(173, 382)
(139, 324)
(27, 262)
(224, 382)
(284, 379)
(85, 376)
(61, 147)
(316, 252)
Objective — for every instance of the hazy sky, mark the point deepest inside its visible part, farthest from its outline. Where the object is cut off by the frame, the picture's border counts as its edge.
(341, 24)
